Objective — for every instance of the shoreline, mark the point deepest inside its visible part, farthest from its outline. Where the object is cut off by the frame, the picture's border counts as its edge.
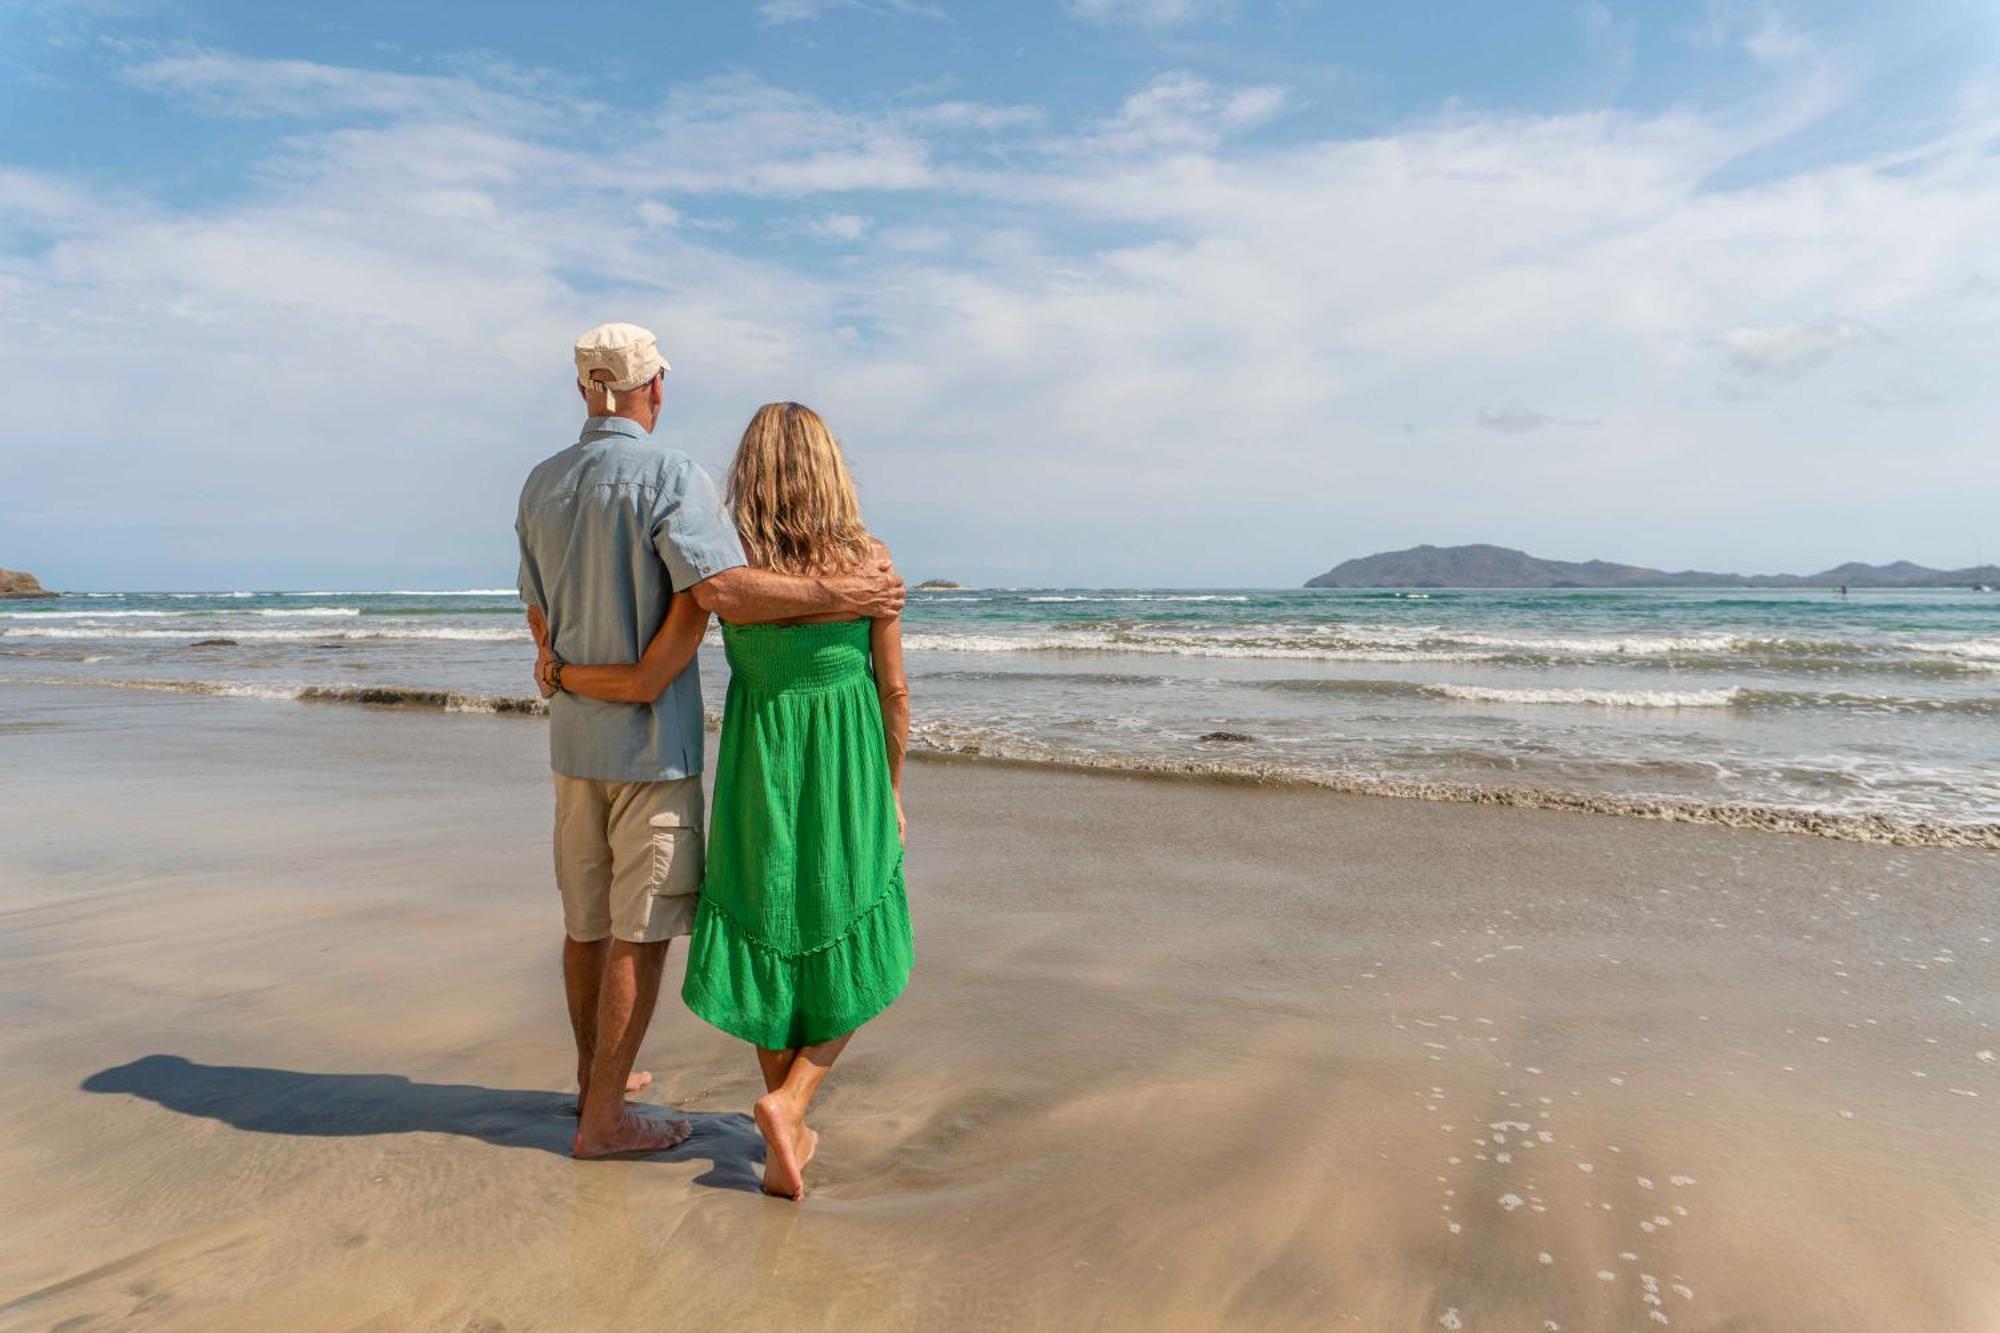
(949, 742)
(289, 1050)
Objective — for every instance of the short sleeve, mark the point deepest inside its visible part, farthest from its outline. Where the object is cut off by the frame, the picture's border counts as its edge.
(528, 580)
(694, 536)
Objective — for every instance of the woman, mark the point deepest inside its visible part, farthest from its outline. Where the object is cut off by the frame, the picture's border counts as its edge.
(803, 933)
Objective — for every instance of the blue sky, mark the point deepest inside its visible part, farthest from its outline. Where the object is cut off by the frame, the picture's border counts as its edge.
(1095, 291)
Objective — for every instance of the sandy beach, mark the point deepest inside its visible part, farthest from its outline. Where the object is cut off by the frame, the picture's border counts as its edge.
(285, 1048)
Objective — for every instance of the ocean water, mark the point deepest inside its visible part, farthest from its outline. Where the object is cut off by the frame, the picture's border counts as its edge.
(1882, 707)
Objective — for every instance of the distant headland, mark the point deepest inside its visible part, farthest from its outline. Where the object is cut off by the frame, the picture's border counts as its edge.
(14, 584)
(938, 585)
(1502, 567)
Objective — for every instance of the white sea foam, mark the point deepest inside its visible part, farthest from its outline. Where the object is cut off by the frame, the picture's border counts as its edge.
(238, 691)
(30, 617)
(404, 592)
(1625, 645)
(182, 614)
(386, 696)
(1098, 641)
(1141, 597)
(1985, 650)
(1721, 698)
(1355, 642)
(417, 632)
(974, 741)
(90, 615)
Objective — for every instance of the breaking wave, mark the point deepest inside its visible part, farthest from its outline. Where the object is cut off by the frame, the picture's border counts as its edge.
(962, 741)
(1364, 643)
(1721, 698)
(379, 696)
(399, 631)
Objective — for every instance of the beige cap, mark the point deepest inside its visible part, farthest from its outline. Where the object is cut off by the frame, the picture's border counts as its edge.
(617, 356)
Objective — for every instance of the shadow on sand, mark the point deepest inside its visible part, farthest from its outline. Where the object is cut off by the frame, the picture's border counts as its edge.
(285, 1101)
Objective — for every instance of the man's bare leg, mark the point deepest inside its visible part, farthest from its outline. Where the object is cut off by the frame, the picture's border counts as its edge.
(583, 978)
(781, 1116)
(626, 996)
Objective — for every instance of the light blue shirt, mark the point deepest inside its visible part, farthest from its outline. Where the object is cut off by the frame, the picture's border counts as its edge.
(611, 529)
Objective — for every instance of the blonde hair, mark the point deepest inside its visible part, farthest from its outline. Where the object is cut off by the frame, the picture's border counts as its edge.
(791, 496)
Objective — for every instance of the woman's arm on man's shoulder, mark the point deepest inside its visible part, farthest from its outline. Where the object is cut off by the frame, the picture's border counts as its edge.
(747, 596)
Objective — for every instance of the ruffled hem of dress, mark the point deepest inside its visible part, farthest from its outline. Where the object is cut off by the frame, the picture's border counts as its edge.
(780, 1001)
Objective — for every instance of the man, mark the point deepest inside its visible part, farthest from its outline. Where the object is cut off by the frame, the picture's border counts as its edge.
(611, 529)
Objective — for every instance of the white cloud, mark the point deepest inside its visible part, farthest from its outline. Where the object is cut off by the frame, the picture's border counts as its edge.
(1761, 28)
(224, 84)
(739, 135)
(1514, 417)
(1789, 350)
(656, 214)
(1152, 13)
(1613, 46)
(1166, 327)
(974, 116)
(774, 12)
(839, 226)
(1180, 112)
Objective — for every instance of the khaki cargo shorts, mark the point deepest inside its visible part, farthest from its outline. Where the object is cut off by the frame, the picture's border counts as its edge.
(628, 857)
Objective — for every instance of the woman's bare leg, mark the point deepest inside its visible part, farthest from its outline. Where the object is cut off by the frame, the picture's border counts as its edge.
(781, 1117)
(775, 1065)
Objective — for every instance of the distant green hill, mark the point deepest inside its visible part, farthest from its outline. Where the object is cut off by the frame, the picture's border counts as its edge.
(1501, 567)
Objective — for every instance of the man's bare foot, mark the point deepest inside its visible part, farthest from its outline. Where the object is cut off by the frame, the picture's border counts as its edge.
(634, 1132)
(637, 1081)
(788, 1146)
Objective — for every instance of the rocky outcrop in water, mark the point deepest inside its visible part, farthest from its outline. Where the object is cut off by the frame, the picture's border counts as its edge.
(14, 583)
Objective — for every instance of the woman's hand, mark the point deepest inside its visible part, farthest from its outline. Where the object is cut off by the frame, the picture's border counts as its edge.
(545, 656)
(902, 821)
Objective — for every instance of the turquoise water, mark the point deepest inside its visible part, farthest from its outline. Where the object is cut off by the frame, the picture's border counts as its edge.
(1885, 703)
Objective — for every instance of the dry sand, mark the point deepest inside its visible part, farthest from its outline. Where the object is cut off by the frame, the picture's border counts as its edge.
(284, 1048)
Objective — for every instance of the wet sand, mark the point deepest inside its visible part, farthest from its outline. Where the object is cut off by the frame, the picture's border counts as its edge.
(284, 1047)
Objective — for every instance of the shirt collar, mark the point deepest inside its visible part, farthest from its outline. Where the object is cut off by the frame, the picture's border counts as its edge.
(614, 426)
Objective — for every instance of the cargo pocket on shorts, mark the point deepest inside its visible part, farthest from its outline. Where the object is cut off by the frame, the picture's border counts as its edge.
(677, 855)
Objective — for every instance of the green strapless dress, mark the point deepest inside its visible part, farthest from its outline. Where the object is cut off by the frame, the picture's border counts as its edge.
(803, 932)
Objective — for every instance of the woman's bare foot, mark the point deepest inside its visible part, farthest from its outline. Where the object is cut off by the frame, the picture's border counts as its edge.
(639, 1080)
(809, 1144)
(788, 1146)
(634, 1132)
